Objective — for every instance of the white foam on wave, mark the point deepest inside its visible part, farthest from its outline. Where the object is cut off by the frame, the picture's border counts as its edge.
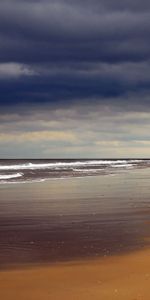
(10, 176)
(122, 165)
(88, 170)
(61, 165)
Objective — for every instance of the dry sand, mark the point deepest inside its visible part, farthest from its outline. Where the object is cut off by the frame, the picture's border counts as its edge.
(119, 277)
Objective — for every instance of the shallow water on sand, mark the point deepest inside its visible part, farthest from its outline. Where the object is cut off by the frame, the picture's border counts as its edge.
(74, 218)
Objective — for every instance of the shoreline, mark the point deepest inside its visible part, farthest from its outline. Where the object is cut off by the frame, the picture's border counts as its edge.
(125, 277)
(75, 261)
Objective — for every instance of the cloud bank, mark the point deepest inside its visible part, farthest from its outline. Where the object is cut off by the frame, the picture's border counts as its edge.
(75, 76)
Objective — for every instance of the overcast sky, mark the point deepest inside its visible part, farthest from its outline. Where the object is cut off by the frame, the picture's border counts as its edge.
(74, 78)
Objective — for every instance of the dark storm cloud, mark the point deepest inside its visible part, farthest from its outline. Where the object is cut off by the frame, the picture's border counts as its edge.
(66, 50)
(101, 82)
(37, 31)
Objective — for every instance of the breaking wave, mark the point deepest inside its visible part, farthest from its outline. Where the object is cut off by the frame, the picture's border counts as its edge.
(10, 176)
(62, 165)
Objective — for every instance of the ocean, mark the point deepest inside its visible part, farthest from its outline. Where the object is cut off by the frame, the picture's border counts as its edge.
(23, 170)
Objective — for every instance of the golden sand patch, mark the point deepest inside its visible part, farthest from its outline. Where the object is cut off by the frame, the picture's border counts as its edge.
(125, 277)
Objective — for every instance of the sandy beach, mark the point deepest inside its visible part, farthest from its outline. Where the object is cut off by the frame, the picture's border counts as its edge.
(125, 277)
(76, 239)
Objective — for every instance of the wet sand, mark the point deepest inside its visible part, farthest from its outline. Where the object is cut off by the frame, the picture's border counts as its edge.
(125, 277)
(71, 219)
